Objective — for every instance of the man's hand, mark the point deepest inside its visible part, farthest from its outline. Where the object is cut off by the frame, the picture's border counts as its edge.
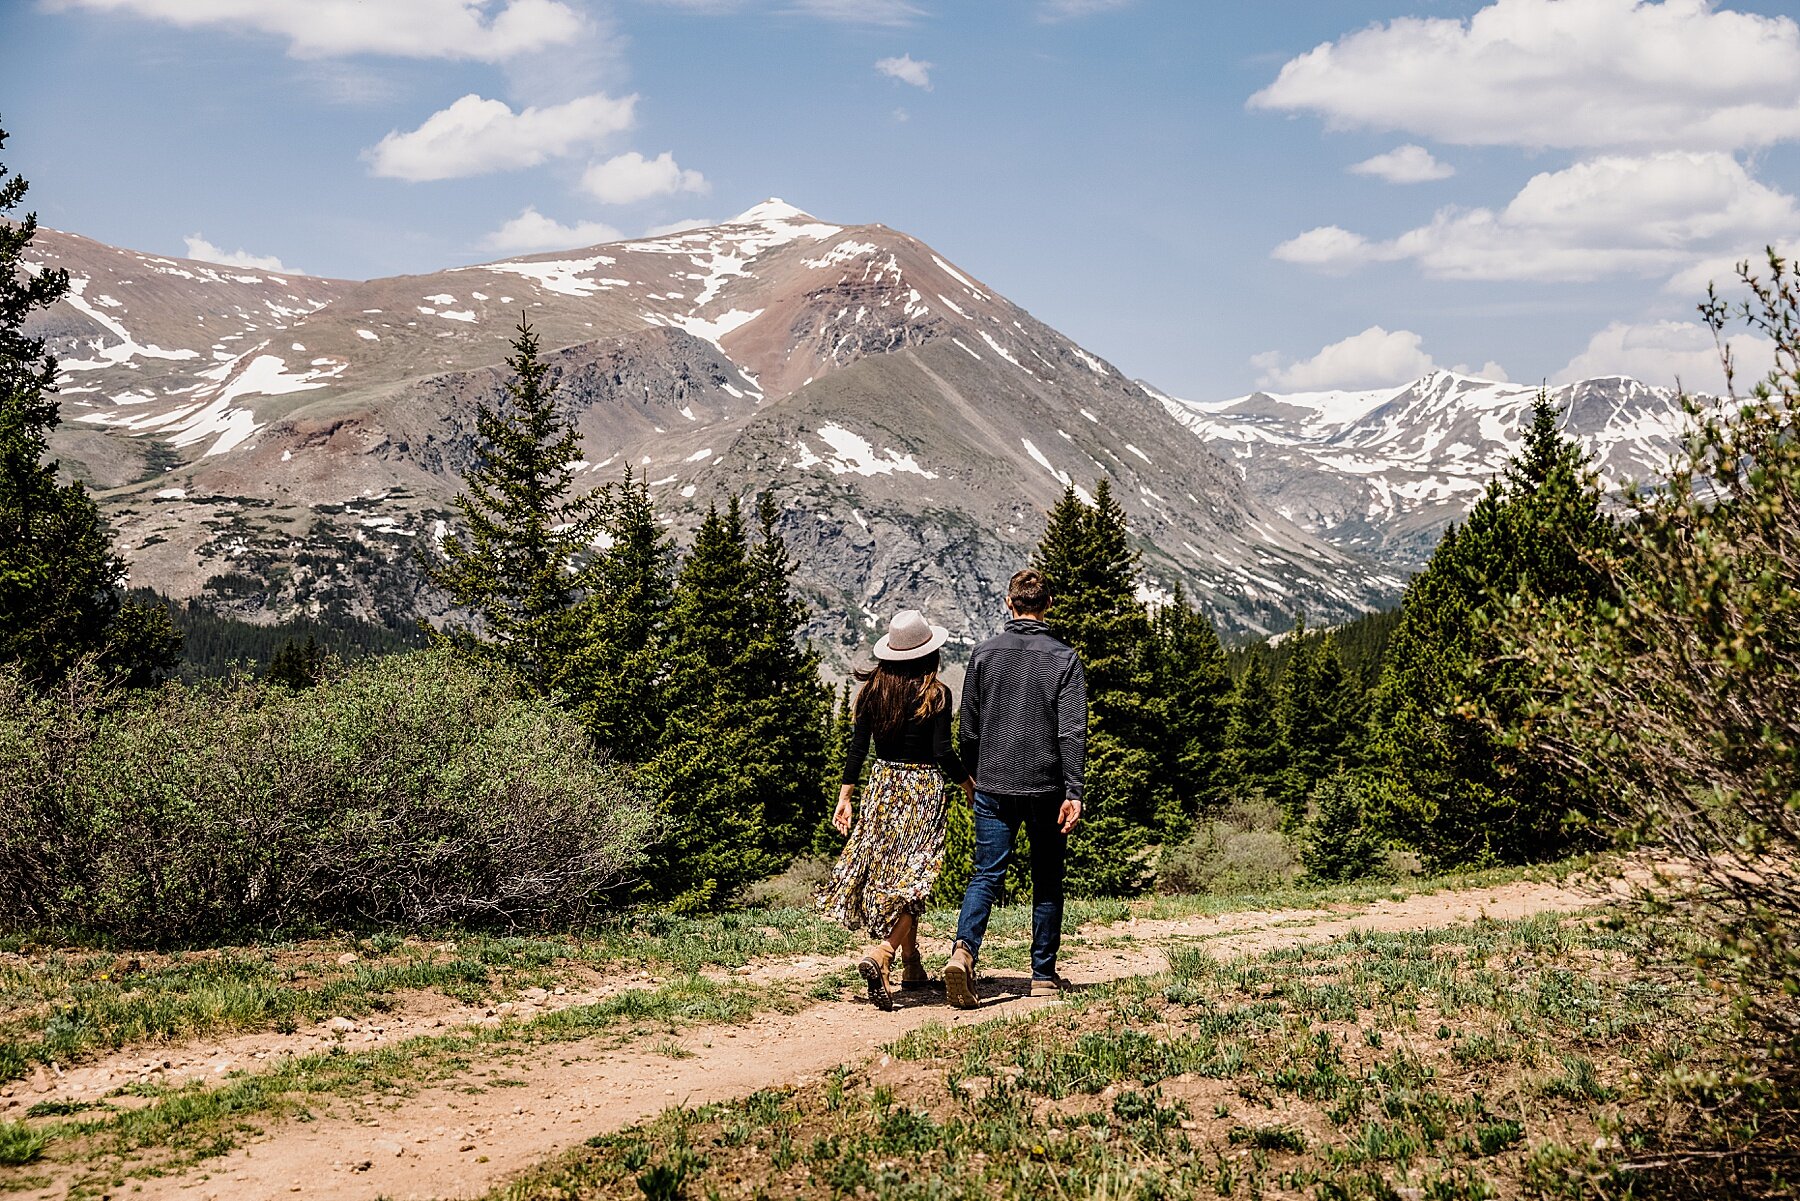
(841, 818)
(968, 787)
(1069, 816)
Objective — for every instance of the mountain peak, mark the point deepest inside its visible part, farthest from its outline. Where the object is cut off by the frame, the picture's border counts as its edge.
(773, 211)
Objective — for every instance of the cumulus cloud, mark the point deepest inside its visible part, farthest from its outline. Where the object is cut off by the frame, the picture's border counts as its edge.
(402, 28)
(629, 178)
(1372, 359)
(678, 227)
(475, 136)
(532, 231)
(1613, 215)
(1488, 370)
(1404, 164)
(906, 69)
(1663, 353)
(1579, 74)
(199, 248)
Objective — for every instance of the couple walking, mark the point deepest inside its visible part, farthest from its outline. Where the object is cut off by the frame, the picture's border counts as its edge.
(1023, 743)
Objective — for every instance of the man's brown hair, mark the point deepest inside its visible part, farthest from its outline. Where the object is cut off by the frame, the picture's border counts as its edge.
(1028, 592)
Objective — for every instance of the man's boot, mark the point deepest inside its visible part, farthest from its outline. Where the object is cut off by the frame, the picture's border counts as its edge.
(959, 978)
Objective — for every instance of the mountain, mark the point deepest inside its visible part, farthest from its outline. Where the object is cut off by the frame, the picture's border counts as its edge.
(282, 445)
(1381, 473)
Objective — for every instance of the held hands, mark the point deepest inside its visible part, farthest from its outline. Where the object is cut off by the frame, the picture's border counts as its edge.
(841, 818)
(968, 787)
(1069, 816)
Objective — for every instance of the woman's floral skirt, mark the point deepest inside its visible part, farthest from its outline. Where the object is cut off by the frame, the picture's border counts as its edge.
(895, 851)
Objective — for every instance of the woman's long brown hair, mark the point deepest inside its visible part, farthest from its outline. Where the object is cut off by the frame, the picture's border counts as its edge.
(895, 692)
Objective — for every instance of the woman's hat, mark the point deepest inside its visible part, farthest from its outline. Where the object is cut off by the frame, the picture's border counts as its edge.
(910, 636)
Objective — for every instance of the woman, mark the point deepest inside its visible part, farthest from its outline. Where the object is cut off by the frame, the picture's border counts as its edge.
(896, 849)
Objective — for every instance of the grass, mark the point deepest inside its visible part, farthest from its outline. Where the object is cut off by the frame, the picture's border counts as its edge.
(66, 1005)
(1244, 1078)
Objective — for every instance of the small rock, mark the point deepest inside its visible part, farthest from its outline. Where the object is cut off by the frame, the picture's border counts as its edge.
(346, 959)
(362, 1165)
(388, 1147)
(341, 1025)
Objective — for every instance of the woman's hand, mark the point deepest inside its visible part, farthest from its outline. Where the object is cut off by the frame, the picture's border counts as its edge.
(841, 818)
(968, 787)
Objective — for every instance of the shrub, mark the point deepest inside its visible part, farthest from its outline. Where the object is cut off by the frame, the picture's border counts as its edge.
(408, 791)
(1240, 850)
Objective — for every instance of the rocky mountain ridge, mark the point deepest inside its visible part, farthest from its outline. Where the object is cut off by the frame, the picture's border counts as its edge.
(281, 444)
(1382, 472)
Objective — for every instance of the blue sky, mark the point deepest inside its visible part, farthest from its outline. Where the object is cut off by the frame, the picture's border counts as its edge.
(1546, 183)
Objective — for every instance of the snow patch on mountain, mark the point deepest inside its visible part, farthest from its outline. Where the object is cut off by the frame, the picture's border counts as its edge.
(853, 454)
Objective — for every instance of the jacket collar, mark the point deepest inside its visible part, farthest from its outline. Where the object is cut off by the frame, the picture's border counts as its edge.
(1026, 625)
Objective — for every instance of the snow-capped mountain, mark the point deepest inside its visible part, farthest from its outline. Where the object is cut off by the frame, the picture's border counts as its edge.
(1383, 472)
(276, 443)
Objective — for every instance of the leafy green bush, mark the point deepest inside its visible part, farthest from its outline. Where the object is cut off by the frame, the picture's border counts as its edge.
(1240, 850)
(409, 791)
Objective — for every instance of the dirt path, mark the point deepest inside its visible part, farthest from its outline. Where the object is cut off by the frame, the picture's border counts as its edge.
(449, 1142)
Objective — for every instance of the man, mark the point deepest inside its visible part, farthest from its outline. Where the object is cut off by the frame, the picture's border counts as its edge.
(1024, 734)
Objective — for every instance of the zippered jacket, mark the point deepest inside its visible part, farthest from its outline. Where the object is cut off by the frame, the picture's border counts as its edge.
(1024, 713)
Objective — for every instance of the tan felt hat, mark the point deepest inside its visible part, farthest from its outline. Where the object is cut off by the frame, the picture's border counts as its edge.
(910, 636)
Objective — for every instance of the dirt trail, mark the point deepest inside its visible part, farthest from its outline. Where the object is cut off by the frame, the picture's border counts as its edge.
(448, 1142)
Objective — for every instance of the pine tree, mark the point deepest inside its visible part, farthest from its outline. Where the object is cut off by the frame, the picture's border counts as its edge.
(1338, 842)
(826, 841)
(1255, 754)
(515, 561)
(615, 674)
(1192, 691)
(1320, 707)
(1087, 557)
(1457, 794)
(297, 664)
(783, 678)
(60, 579)
(741, 757)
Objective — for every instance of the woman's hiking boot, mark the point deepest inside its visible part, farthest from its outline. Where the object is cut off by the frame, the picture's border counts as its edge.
(912, 972)
(959, 978)
(874, 968)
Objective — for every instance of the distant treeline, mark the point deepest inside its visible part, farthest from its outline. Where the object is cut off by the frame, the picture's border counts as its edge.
(212, 645)
(1362, 644)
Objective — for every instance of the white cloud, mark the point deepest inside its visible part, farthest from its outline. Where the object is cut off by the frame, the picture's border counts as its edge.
(199, 248)
(678, 227)
(531, 231)
(1404, 164)
(1664, 352)
(1614, 215)
(629, 178)
(1618, 74)
(1372, 359)
(403, 28)
(475, 136)
(906, 69)
(1488, 370)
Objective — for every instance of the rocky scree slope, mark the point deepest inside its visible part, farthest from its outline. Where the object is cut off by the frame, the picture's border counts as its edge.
(279, 444)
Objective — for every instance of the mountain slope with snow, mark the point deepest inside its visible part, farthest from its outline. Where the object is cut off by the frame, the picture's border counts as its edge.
(914, 424)
(1383, 472)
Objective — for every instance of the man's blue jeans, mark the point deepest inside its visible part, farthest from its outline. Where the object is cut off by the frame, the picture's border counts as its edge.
(997, 822)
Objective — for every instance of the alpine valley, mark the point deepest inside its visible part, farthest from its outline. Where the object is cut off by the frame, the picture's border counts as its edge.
(280, 444)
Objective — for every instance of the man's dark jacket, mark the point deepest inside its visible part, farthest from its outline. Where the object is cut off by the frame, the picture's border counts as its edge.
(1024, 713)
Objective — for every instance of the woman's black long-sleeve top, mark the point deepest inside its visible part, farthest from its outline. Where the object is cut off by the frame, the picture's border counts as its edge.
(919, 740)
